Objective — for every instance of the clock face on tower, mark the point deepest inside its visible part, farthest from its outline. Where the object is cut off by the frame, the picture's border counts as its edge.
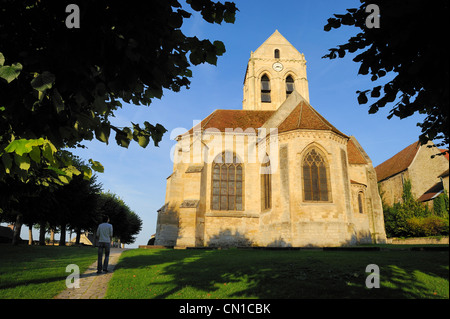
(277, 66)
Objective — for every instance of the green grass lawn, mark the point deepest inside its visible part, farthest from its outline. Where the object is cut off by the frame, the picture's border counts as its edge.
(35, 272)
(39, 272)
(234, 273)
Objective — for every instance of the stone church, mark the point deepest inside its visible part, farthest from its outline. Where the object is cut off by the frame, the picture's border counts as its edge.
(275, 173)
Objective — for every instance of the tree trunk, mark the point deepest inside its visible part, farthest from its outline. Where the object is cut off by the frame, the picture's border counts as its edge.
(62, 236)
(17, 229)
(42, 234)
(77, 240)
(94, 243)
(30, 235)
(52, 236)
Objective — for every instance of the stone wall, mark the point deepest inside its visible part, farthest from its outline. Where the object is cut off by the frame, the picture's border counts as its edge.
(424, 170)
(391, 189)
(188, 218)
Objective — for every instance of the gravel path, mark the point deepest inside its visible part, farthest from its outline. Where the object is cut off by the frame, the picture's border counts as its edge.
(93, 285)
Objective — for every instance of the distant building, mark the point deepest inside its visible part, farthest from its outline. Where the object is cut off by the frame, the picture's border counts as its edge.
(151, 241)
(86, 238)
(444, 179)
(428, 176)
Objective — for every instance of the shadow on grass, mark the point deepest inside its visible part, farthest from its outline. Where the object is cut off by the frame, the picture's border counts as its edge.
(32, 282)
(38, 272)
(237, 273)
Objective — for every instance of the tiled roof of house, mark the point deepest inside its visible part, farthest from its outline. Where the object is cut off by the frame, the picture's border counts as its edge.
(444, 174)
(446, 154)
(432, 193)
(397, 163)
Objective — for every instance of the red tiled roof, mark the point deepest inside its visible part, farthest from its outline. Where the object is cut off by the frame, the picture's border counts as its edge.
(305, 117)
(444, 174)
(302, 117)
(354, 155)
(233, 119)
(397, 163)
(433, 192)
(446, 154)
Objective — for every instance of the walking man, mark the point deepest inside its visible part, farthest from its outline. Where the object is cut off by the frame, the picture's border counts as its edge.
(104, 235)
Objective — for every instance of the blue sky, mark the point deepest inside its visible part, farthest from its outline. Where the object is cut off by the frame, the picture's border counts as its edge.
(139, 175)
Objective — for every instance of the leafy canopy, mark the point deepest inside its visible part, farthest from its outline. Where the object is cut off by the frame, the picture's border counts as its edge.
(408, 43)
(60, 86)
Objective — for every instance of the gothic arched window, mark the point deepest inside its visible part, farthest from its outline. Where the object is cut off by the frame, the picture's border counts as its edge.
(265, 89)
(276, 54)
(315, 177)
(289, 85)
(266, 184)
(227, 182)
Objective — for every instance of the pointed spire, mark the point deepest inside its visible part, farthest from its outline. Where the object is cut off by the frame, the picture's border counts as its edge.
(277, 39)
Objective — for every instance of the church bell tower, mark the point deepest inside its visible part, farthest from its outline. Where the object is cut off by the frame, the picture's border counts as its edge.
(274, 71)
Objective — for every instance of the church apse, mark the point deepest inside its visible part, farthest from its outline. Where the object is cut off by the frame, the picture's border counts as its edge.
(319, 190)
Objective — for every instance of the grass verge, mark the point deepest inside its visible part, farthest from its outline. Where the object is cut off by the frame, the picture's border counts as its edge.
(234, 273)
(35, 272)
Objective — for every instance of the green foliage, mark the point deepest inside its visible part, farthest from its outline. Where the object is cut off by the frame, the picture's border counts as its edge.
(395, 221)
(75, 204)
(126, 223)
(65, 84)
(441, 205)
(23, 158)
(43, 81)
(427, 226)
(60, 86)
(9, 72)
(408, 45)
(410, 218)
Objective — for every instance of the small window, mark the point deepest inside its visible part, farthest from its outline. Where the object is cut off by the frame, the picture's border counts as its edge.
(276, 54)
(266, 184)
(265, 89)
(361, 202)
(289, 85)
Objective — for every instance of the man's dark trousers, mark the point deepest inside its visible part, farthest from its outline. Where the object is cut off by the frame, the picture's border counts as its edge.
(107, 248)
